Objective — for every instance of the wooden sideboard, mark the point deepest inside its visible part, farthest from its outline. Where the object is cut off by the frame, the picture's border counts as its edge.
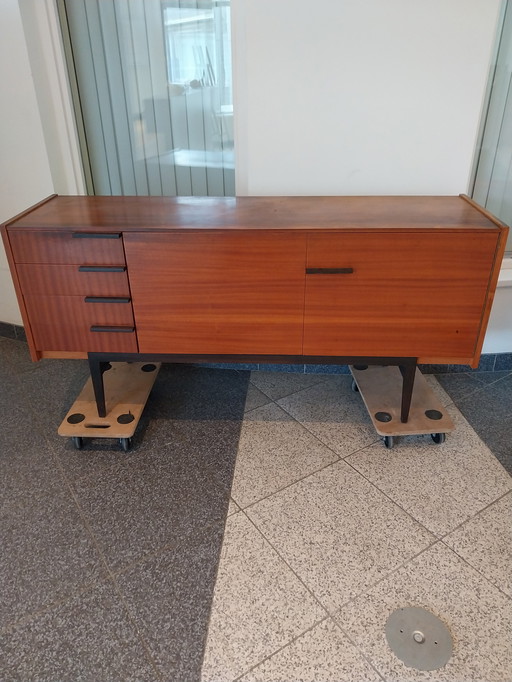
(296, 279)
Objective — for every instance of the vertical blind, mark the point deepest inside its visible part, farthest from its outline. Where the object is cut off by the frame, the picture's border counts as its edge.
(153, 92)
(493, 178)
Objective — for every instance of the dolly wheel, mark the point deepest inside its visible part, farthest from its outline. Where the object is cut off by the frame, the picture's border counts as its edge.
(438, 437)
(354, 386)
(78, 442)
(388, 442)
(125, 443)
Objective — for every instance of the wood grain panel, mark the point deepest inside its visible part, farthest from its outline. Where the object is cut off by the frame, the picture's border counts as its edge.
(67, 279)
(416, 294)
(62, 323)
(218, 292)
(55, 247)
(123, 213)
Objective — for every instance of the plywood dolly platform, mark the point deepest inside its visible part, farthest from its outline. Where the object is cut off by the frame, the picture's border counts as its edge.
(381, 390)
(127, 388)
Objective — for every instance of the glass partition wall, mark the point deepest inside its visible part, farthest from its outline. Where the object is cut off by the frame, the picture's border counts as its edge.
(152, 86)
(493, 174)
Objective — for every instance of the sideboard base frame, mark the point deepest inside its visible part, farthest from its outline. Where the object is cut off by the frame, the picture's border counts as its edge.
(100, 362)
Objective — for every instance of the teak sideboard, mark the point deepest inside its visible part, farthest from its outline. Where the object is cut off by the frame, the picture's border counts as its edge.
(382, 280)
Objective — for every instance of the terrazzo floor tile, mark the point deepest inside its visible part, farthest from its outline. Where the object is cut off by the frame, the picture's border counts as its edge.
(144, 504)
(26, 462)
(255, 398)
(88, 638)
(323, 654)
(280, 384)
(169, 597)
(46, 551)
(274, 451)
(485, 542)
(259, 604)
(444, 397)
(439, 485)
(338, 533)
(489, 411)
(334, 414)
(478, 616)
(463, 385)
(233, 507)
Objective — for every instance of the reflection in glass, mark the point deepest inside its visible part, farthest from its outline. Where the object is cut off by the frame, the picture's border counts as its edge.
(154, 89)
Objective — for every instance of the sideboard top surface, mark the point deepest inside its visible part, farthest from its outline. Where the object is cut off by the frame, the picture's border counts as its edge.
(126, 213)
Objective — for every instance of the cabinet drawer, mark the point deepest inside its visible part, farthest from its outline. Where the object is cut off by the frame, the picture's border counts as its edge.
(63, 323)
(82, 248)
(73, 280)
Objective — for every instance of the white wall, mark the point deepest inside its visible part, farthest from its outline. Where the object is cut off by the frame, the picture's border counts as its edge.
(352, 97)
(25, 176)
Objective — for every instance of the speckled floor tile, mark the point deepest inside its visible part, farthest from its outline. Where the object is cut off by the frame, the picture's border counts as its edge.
(338, 533)
(485, 542)
(255, 398)
(169, 597)
(323, 654)
(334, 414)
(444, 398)
(46, 552)
(489, 411)
(26, 462)
(88, 638)
(259, 604)
(280, 384)
(274, 451)
(477, 614)
(146, 503)
(233, 507)
(16, 354)
(463, 385)
(439, 485)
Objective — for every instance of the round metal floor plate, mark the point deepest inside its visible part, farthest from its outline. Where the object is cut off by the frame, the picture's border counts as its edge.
(418, 638)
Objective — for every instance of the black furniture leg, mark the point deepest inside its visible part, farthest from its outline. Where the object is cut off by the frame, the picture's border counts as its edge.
(408, 372)
(97, 369)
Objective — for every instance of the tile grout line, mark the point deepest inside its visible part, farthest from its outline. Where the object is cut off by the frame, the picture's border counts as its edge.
(329, 615)
(339, 459)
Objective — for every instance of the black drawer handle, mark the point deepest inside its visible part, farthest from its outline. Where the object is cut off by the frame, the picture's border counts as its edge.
(124, 330)
(329, 271)
(102, 268)
(107, 299)
(96, 235)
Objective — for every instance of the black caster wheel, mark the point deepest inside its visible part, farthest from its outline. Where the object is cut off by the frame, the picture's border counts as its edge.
(388, 442)
(439, 437)
(354, 386)
(78, 442)
(125, 443)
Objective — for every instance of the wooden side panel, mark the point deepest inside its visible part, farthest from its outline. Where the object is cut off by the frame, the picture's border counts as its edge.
(67, 279)
(410, 294)
(61, 247)
(218, 292)
(63, 323)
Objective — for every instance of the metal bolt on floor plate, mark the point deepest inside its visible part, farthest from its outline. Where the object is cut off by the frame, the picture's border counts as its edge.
(418, 638)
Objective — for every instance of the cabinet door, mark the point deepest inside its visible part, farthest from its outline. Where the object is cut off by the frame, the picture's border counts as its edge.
(217, 292)
(401, 294)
